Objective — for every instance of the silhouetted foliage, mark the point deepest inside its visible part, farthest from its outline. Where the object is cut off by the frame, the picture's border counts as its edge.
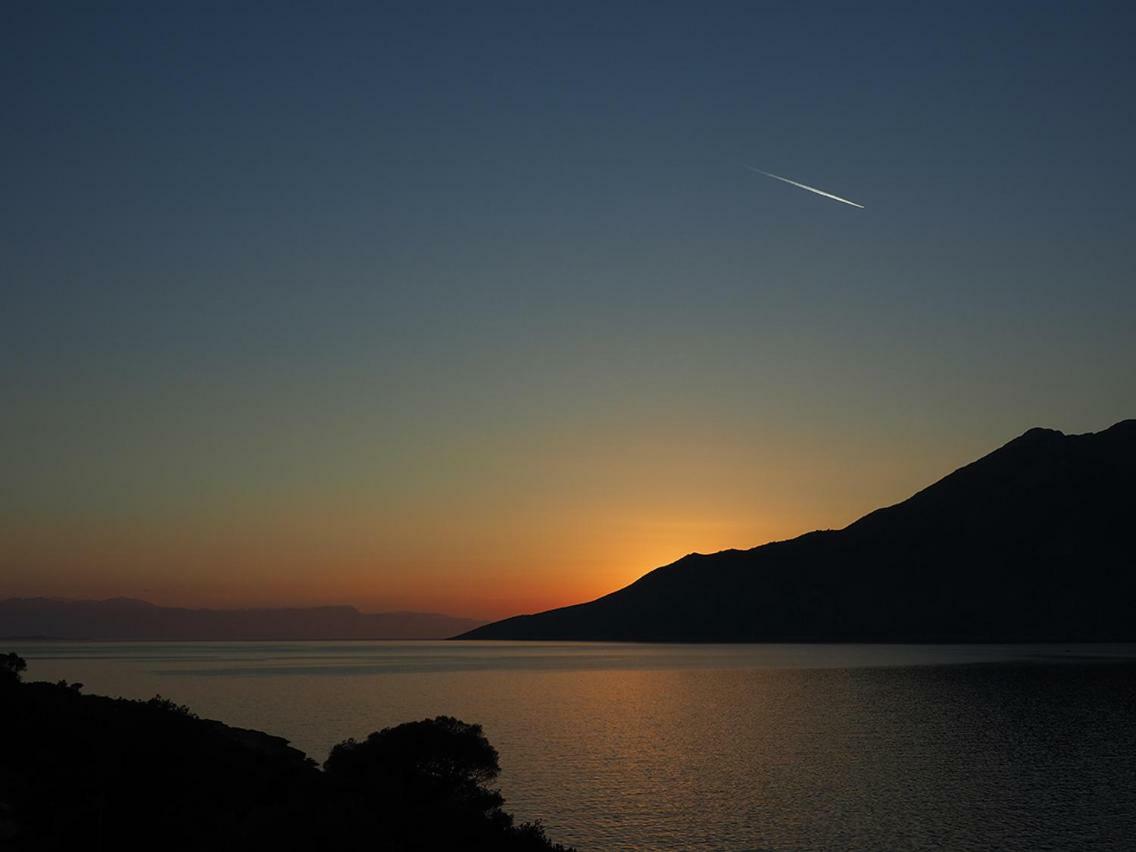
(11, 667)
(423, 785)
(86, 771)
(443, 753)
(171, 707)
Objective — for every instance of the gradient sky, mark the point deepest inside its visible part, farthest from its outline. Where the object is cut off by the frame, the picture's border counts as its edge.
(476, 308)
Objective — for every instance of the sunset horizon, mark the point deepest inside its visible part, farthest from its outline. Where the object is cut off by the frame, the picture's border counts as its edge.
(436, 604)
(508, 426)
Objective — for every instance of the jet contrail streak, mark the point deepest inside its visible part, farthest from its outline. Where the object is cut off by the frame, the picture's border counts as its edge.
(805, 186)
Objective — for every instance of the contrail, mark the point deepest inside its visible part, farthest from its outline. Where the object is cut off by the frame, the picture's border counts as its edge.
(805, 186)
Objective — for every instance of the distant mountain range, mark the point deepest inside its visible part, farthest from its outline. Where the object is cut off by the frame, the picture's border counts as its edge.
(125, 618)
(1033, 542)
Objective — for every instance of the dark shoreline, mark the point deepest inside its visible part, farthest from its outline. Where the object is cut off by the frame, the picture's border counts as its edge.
(91, 771)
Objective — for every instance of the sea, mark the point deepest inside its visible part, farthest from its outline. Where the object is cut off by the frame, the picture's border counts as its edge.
(706, 747)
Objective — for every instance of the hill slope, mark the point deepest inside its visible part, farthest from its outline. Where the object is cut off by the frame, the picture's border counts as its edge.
(1029, 543)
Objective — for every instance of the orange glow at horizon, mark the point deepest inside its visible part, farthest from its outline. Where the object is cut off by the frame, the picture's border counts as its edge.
(247, 572)
(538, 537)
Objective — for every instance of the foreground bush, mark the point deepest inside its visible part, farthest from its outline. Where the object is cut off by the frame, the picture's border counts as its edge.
(83, 771)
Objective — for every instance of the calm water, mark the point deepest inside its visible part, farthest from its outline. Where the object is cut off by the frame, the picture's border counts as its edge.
(708, 747)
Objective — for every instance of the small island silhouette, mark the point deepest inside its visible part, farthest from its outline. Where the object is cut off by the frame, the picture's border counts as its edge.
(1031, 543)
(89, 772)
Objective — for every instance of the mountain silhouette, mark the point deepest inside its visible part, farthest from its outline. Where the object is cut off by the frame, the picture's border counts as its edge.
(1032, 542)
(126, 618)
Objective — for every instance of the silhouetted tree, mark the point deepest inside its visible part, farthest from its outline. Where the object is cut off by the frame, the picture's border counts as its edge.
(169, 706)
(11, 666)
(442, 754)
(423, 785)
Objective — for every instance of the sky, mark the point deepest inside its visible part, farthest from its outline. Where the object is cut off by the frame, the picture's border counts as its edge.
(477, 308)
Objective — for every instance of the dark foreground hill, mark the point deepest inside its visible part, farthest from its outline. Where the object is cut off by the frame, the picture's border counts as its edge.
(88, 772)
(125, 618)
(1033, 542)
